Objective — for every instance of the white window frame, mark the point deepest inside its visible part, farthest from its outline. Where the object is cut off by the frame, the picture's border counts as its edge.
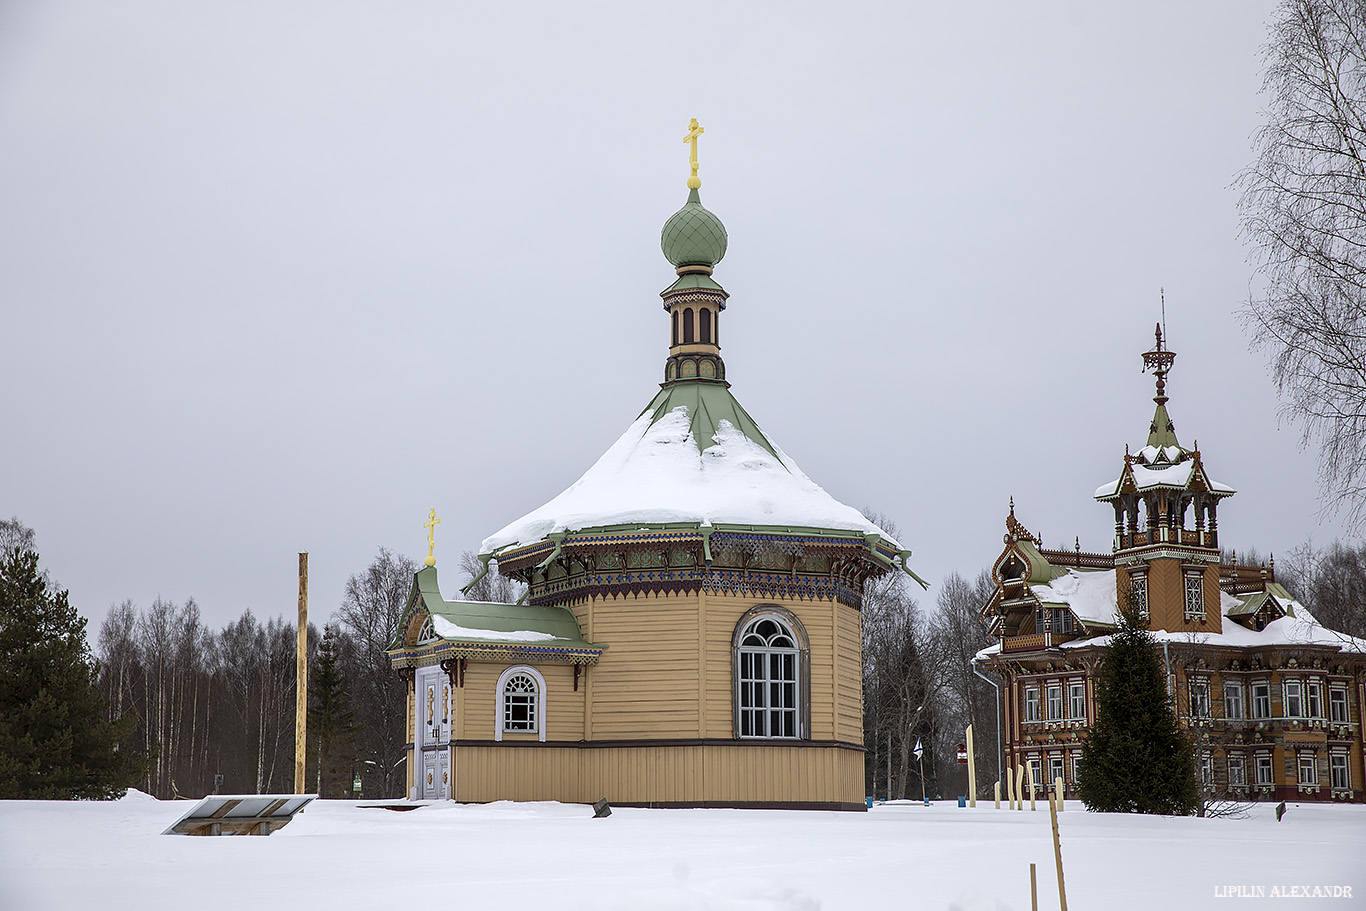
(541, 699)
(1195, 596)
(1199, 697)
(1206, 769)
(1340, 763)
(1053, 703)
(1233, 707)
(1261, 702)
(1262, 761)
(1292, 690)
(1032, 705)
(1313, 699)
(1236, 761)
(1076, 697)
(1034, 773)
(1337, 697)
(1057, 768)
(1308, 761)
(762, 656)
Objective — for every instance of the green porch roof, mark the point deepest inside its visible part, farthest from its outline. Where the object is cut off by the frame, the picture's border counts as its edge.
(485, 622)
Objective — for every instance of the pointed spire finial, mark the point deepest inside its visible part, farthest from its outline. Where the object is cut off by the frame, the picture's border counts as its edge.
(1159, 360)
(1012, 506)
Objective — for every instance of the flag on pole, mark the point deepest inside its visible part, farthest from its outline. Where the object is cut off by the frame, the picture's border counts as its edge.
(918, 751)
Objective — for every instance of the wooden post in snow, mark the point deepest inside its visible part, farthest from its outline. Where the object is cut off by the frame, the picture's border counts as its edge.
(1033, 889)
(1057, 788)
(1019, 786)
(1032, 787)
(998, 793)
(301, 685)
(1057, 854)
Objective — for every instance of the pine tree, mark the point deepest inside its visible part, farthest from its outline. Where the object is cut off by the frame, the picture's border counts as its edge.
(55, 740)
(1135, 759)
(331, 719)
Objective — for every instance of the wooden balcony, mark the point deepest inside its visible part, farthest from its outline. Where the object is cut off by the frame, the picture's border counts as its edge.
(1026, 643)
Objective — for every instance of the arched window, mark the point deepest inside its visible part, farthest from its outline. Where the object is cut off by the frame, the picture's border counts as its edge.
(521, 702)
(704, 315)
(687, 326)
(771, 674)
(675, 322)
(427, 633)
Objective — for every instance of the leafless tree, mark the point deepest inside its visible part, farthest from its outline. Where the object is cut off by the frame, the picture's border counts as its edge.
(15, 537)
(1331, 582)
(1304, 210)
(900, 684)
(369, 616)
(488, 586)
(959, 633)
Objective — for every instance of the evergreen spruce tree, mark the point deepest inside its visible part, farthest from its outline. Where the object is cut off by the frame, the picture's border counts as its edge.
(331, 719)
(1135, 759)
(55, 740)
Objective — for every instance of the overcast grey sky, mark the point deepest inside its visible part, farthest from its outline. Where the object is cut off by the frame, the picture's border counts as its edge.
(282, 276)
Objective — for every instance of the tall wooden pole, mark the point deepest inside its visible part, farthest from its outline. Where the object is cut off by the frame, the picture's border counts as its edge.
(972, 772)
(301, 687)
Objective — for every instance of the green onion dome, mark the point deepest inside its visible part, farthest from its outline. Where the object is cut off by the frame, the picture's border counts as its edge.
(693, 236)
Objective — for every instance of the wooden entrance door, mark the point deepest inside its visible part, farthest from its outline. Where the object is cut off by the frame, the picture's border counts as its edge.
(434, 715)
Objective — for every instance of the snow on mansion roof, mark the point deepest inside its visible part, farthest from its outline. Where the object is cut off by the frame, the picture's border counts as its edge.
(1164, 474)
(680, 465)
(1091, 597)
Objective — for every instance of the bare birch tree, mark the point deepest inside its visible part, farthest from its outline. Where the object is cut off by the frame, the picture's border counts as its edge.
(369, 614)
(1304, 210)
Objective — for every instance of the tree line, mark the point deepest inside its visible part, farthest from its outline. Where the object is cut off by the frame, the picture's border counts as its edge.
(193, 703)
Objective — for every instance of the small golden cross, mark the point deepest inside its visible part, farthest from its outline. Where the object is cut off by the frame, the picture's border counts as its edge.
(430, 525)
(693, 132)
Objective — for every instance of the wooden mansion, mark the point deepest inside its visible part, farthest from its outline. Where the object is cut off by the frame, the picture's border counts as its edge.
(1272, 700)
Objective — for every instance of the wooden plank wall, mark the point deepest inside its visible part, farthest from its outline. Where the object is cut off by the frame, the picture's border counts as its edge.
(668, 670)
(711, 774)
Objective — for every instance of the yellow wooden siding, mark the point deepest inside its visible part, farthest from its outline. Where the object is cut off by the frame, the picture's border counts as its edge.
(710, 774)
(649, 682)
(477, 703)
(849, 685)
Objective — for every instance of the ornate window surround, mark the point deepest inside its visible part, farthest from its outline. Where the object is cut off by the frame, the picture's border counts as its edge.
(503, 678)
(788, 619)
(1194, 591)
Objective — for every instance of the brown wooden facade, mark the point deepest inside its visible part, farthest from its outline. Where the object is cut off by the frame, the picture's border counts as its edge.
(1270, 716)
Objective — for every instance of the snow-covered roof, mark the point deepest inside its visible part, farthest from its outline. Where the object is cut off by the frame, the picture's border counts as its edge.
(699, 459)
(488, 623)
(1163, 474)
(448, 630)
(1298, 627)
(1090, 595)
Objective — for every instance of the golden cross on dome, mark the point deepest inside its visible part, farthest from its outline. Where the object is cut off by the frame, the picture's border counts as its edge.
(430, 525)
(693, 132)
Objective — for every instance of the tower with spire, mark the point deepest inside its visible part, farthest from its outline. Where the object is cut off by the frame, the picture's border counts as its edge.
(715, 590)
(1166, 506)
(1248, 667)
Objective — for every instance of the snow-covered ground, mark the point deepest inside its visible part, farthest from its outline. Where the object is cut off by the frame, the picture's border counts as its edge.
(339, 855)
